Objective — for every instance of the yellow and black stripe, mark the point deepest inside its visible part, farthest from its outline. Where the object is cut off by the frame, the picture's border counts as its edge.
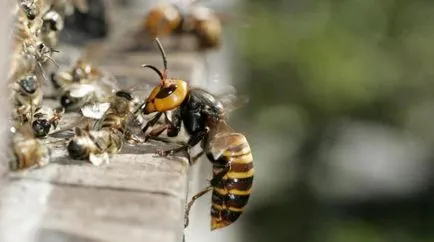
(116, 117)
(232, 182)
(114, 122)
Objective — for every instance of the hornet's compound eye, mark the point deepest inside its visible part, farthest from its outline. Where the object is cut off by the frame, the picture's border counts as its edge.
(166, 91)
(167, 97)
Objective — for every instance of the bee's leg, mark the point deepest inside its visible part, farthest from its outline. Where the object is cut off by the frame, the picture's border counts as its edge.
(132, 138)
(190, 204)
(151, 122)
(194, 140)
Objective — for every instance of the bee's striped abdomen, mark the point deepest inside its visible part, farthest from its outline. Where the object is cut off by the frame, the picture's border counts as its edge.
(113, 121)
(231, 190)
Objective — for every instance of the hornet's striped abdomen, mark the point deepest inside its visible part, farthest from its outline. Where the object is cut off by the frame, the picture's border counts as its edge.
(233, 177)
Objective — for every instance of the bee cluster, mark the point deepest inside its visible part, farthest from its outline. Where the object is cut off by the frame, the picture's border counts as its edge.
(110, 117)
(168, 19)
(36, 28)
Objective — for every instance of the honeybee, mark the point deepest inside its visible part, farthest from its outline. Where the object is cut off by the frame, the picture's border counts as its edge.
(28, 151)
(81, 72)
(77, 95)
(117, 114)
(25, 29)
(31, 54)
(52, 24)
(162, 20)
(204, 119)
(169, 18)
(81, 85)
(31, 8)
(203, 23)
(109, 131)
(94, 145)
(45, 24)
(45, 120)
(27, 96)
(30, 50)
(67, 7)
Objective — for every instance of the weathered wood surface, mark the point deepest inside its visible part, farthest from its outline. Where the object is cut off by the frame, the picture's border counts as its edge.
(136, 197)
(5, 23)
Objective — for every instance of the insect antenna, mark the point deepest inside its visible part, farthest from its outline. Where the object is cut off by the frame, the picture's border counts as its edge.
(163, 54)
(156, 70)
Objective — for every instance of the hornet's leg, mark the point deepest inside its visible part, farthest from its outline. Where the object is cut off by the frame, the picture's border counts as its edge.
(151, 122)
(217, 178)
(190, 204)
(172, 127)
(175, 124)
(157, 131)
(194, 140)
(193, 160)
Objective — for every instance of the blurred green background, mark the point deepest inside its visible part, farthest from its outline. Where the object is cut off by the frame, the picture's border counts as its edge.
(340, 119)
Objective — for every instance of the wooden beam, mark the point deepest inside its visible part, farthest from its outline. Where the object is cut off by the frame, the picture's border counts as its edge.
(136, 197)
(5, 23)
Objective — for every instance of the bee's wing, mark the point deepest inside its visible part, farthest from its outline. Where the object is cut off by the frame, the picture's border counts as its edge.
(61, 79)
(229, 98)
(70, 129)
(109, 81)
(59, 110)
(140, 91)
(232, 102)
(81, 90)
(95, 111)
(135, 122)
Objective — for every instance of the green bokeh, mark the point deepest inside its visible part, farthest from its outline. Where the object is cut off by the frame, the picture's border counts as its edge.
(321, 61)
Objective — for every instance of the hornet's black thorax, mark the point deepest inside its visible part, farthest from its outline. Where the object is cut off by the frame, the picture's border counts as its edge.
(197, 108)
(191, 114)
